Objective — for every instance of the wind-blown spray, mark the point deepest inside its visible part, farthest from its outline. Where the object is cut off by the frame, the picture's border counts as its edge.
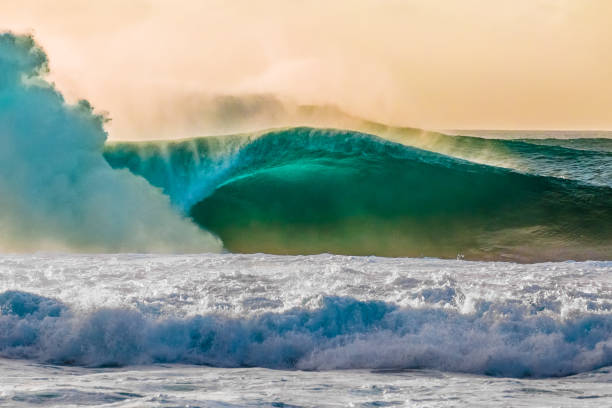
(56, 190)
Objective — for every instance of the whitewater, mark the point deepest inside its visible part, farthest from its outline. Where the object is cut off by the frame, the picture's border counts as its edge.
(324, 330)
(429, 331)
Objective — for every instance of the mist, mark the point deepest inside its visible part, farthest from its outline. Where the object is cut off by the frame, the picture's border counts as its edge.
(57, 193)
(161, 68)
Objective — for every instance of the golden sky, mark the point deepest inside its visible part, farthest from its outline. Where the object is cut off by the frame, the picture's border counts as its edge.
(167, 68)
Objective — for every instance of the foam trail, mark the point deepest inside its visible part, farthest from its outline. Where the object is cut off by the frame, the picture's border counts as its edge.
(497, 339)
(56, 189)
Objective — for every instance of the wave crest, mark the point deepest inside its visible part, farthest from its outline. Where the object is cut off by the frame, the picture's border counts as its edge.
(497, 339)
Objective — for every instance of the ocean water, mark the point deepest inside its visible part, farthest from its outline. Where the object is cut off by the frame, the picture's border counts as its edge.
(491, 284)
(324, 330)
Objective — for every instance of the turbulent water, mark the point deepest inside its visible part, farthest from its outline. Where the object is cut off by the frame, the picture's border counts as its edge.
(56, 190)
(247, 330)
(412, 193)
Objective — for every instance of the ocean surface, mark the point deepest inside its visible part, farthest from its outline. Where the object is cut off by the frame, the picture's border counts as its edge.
(326, 330)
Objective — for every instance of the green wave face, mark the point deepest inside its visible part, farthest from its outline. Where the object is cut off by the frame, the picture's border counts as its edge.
(305, 191)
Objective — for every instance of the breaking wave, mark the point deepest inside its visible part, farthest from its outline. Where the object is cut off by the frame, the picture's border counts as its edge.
(304, 191)
(405, 192)
(497, 339)
(56, 189)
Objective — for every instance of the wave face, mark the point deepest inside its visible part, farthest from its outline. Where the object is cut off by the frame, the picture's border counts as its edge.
(303, 190)
(345, 313)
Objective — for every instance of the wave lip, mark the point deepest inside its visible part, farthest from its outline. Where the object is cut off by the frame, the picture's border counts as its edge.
(497, 339)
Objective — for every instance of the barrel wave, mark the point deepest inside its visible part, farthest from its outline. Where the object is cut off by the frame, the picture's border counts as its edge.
(305, 191)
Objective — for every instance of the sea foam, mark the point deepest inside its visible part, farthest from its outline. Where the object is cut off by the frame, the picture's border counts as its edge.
(497, 339)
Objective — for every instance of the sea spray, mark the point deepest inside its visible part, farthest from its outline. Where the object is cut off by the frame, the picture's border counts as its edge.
(56, 190)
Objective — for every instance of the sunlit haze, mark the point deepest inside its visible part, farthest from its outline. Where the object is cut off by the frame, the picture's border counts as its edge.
(165, 69)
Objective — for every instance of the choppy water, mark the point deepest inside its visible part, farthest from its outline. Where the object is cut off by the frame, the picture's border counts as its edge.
(28, 384)
(263, 330)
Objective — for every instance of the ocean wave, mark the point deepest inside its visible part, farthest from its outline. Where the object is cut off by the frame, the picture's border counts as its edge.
(304, 190)
(499, 339)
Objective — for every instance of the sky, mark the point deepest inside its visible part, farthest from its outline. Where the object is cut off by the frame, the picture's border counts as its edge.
(175, 69)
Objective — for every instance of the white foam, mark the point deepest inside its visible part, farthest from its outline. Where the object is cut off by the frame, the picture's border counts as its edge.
(56, 189)
(310, 312)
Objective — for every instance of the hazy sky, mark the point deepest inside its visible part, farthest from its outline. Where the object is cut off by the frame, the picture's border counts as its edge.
(158, 67)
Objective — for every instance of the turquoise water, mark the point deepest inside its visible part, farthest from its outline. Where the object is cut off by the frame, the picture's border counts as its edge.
(304, 191)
